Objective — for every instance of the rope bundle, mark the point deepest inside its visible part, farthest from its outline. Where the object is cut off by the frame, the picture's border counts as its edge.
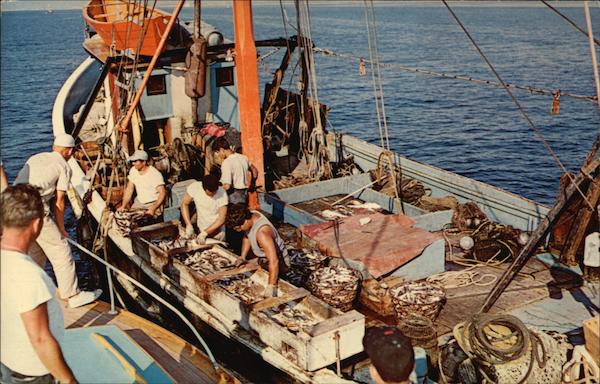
(496, 340)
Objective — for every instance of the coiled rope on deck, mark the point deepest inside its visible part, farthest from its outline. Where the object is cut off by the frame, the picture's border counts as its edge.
(499, 339)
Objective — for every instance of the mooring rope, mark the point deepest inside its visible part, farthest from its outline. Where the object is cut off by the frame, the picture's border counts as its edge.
(499, 339)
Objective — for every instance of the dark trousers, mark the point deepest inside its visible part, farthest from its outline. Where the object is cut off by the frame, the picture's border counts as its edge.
(11, 377)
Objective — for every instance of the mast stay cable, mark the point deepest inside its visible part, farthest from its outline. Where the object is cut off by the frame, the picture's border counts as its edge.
(531, 89)
(536, 131)
(596, 41)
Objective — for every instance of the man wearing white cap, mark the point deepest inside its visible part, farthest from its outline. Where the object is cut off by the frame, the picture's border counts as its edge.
(50, 173)
(148, 183)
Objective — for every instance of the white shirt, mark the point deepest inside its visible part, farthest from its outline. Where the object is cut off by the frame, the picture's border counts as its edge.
(24, 286)
(233, 171)
(146, 185)
(48, 171)
(207, 207)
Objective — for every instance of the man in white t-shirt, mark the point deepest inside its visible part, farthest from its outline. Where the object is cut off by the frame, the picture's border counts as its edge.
(31, 323)
(211, 208)
(49, 172)
(148, 183)
(237, 174)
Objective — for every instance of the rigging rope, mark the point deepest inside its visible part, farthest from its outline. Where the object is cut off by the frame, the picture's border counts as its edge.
(536, 131)
(375, 90)
(531, 89)
(569, 20)
(318, 164)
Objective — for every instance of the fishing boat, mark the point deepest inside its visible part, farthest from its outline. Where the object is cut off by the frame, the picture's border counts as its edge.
(122, 347)
(405, 221)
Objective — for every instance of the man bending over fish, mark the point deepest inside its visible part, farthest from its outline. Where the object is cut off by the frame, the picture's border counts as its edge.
(262, 239)
(211, 209)
(148, 183)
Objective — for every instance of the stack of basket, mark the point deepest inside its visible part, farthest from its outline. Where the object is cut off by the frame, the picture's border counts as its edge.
(422, 298)
(337, 286)
(302, 263)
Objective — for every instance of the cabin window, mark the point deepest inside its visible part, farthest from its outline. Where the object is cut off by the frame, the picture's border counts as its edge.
(224, 76)
(157, 85)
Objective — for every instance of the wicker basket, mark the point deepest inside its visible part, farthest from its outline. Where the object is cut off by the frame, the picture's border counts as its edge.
(337, 286)
(423, 298)
(302, 263)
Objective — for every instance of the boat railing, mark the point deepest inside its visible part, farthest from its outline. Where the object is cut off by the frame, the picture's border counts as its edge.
(110, 267)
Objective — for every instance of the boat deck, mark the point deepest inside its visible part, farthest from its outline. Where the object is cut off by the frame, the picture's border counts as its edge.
(536, 283)
(184, 362)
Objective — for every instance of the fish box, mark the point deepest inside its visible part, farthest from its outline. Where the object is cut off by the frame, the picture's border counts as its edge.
(143, 237)
(190, 268)
(307, 331)
(234, 293)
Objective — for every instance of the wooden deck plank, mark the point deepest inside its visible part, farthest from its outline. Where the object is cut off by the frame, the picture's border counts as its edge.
(184, 362)
(538, 284)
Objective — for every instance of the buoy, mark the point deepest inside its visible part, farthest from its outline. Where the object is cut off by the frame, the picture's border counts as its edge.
(466, 243)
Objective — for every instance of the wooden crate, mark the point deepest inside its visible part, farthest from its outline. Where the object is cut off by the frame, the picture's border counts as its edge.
(308, 350)
(230, 304)
(335, 334)
(149, 233)
(591, 332)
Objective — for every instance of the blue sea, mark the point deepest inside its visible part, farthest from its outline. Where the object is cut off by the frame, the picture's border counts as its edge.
(472, 129)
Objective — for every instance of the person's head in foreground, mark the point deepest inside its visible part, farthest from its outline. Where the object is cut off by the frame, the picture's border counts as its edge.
(391, 353)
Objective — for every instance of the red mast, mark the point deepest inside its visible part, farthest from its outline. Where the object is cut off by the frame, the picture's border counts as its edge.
(246, 70)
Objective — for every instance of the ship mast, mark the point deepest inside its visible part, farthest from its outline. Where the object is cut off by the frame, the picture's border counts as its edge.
(246, 71)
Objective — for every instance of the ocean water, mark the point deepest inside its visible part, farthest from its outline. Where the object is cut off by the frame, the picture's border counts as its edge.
(471, 129)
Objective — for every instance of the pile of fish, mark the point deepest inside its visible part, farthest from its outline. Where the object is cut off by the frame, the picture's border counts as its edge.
(337, 286)
(423, 298)
(339, 211)
(177, 243)
(126, 221)
(302, 263)
(293, 319)
(242, 287)
(206, 262)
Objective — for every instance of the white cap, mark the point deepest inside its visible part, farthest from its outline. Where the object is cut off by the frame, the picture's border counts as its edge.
(64, 140)
(139, 155)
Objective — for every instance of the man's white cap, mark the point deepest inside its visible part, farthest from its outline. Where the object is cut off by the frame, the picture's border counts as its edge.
(139, 155)
(64, 140)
